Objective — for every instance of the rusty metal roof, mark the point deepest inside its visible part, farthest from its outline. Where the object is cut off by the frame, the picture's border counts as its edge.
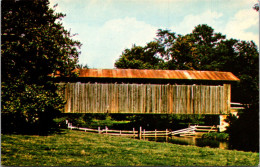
(158, 74)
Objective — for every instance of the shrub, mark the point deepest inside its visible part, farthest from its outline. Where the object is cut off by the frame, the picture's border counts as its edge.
(216, 136)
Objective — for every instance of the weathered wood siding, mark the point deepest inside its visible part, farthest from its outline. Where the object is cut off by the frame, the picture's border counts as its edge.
(144, 98)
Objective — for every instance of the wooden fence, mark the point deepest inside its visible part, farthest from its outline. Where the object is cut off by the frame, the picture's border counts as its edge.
(131, 133)
(142, 133)
(146, 98)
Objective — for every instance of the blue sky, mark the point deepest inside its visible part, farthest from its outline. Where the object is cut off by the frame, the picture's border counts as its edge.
(107, 27)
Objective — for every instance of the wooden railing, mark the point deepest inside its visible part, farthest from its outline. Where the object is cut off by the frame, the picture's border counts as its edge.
(186, 131)
(190, 131)
(205, 129)
(155, 133)
(106, 131)
(238, 106)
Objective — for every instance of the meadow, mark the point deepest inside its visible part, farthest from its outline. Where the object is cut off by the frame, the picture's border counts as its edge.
(77, 148)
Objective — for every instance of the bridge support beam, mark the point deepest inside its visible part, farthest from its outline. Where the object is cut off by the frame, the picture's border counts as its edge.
(222, 123)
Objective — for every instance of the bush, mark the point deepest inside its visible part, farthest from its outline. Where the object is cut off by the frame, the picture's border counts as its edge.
(87, 120)
(29, 108)
(216, 136)
(244, 131)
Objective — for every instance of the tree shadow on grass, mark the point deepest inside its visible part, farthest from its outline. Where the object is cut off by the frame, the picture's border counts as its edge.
(15, 124)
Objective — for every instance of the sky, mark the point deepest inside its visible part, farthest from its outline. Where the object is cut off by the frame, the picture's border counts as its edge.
(107, 27)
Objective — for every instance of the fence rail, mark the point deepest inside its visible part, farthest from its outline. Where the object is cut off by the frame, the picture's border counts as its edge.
(238, 106)
(190, 130)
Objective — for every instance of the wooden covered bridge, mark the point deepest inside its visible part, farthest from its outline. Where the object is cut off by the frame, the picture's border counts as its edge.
(149, 91)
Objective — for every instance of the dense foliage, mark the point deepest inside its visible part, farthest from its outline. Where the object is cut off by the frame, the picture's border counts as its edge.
(244, 131)
(216, 136)
(34, 45)
(204, 49)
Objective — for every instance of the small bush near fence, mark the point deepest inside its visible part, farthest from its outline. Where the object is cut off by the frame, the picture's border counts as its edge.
(216, 136)
(90, 120)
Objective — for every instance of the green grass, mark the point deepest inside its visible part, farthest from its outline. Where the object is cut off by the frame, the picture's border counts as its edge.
(75, 148)
(107, 122)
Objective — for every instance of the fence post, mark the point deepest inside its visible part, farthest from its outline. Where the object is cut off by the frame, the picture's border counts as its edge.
(99, 130)
(120, 132)
(106, 129)
(134, 132)
(140, 132)
(166, 135)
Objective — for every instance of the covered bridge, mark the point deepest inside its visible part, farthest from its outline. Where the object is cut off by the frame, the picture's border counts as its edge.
(148, 91)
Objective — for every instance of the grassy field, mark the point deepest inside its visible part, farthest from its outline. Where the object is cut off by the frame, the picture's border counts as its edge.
(75, 148)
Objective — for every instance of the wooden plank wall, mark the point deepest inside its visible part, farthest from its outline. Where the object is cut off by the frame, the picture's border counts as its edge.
(144, 98)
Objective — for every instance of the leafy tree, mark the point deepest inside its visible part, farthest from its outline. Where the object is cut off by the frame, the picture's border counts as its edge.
(256, 7)
(34, 45)
(204, 49)
(140, 58)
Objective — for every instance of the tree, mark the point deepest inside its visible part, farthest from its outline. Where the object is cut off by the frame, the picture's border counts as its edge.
(256, 7)
(34, 45)
(140, 58)
(204, 49)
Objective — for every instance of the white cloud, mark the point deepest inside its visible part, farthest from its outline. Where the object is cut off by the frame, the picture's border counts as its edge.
(190, 21)
(105, 44)
(238, 25)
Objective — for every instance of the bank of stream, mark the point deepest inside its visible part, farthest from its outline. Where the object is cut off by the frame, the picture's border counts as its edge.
(196, 141)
